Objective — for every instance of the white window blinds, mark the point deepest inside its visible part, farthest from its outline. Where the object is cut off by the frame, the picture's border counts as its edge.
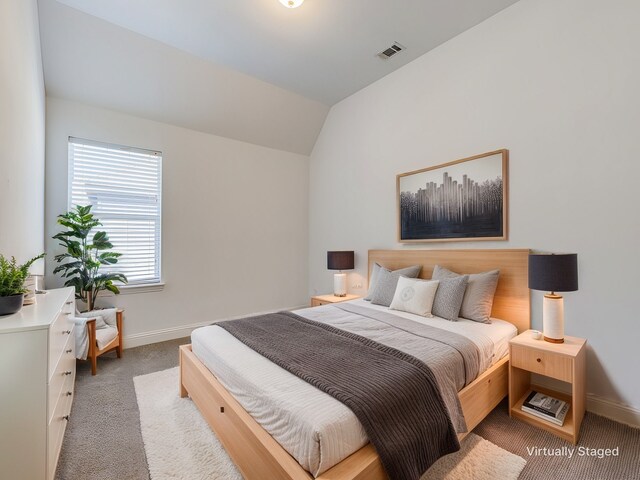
(124, 187)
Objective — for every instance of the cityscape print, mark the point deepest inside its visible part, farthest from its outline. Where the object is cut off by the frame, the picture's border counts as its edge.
(460, 200)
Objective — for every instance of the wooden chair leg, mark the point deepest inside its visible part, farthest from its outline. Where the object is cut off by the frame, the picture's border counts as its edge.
(92, 354)
(119, 324)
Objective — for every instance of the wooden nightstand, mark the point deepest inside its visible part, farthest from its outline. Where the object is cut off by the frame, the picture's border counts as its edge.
(562, 361)
(327, 299)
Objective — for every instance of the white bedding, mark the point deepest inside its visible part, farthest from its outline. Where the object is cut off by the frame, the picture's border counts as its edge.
(317, 430)
(499, 331)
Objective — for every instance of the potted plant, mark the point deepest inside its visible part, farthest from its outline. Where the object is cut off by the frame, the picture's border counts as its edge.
(85, 256)
(12, 277)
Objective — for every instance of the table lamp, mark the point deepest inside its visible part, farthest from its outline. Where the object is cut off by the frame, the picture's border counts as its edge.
(553, 273)
(340, 261)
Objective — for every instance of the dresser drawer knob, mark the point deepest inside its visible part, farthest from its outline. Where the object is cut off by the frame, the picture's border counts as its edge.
(68, 351)
(69, 303)
(66, 417)
(538, 360)
(68, 372)
(66, 332)
(69, 394)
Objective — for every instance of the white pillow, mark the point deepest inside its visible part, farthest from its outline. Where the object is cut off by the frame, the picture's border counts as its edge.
(109, 315)
(100, 323)
(415, 296)
(105, 317)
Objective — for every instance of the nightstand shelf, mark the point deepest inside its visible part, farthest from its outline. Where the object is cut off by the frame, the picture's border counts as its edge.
(318, 300)
(564, 362)
(565, 431)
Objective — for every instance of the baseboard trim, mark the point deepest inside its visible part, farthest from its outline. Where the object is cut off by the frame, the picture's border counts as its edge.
(162, 335)
(604, 407)
(171, 333)
(614, 410)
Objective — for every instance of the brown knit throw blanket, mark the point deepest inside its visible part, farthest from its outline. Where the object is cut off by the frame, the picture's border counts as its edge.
(394, 395)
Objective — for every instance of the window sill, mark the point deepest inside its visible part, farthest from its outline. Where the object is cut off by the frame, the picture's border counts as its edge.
(142, 288)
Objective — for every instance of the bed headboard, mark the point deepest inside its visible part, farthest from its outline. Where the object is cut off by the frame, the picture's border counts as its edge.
(511, 302)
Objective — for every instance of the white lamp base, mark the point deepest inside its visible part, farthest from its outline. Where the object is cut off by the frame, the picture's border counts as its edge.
(553, 318)
(340, 284)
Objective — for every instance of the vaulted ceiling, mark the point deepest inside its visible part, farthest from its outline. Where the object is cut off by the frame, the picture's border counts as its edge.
(245, 69)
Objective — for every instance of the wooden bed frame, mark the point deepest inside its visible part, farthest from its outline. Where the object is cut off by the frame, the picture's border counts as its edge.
(258, 455)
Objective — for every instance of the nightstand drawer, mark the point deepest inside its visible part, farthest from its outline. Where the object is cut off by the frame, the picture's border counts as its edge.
(545, 363)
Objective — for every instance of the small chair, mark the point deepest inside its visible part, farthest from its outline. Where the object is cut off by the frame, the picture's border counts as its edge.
(100, 339)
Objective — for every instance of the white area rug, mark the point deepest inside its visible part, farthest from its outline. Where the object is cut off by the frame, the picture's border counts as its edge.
(180, 445)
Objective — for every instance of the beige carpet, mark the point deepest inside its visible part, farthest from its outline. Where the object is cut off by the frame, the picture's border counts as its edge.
(180, 445)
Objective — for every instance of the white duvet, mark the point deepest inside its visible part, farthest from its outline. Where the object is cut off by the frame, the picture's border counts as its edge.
(316, 429)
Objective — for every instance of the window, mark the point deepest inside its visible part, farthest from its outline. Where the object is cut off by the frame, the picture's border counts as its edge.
(124, 186)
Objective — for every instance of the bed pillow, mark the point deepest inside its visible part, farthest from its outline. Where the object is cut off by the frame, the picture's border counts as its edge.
(449, 297)
(414, 296)
(478, 297)
(372, 281)
(410, 272)
(387, 281)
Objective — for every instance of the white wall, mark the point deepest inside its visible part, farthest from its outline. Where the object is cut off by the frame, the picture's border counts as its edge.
(555, 82)
(235, 230)
(21, 132)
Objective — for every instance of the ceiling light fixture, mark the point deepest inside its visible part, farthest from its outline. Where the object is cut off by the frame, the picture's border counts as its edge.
(291, 3)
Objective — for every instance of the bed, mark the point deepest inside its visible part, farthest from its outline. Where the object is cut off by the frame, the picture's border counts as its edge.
(225, 398)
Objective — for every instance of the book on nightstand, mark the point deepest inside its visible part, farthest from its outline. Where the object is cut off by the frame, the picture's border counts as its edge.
(546, 407)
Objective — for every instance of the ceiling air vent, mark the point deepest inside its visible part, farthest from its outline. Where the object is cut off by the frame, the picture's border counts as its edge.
(391, 51)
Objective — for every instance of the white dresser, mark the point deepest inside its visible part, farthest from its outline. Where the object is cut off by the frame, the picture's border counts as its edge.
(37, 374)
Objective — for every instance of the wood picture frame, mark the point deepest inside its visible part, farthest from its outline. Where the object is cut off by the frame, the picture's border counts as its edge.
(469, 204)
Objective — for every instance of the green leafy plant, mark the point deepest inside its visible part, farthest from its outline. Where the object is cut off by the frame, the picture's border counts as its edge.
(12, 275)
(85, 256)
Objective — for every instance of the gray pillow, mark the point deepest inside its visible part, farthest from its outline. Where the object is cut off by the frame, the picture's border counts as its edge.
(478, 298)
(387, 281)
(372, 281)
(449, 297)
(409, 272)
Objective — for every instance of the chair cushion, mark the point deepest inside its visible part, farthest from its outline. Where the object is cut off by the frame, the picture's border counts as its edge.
(105, 335)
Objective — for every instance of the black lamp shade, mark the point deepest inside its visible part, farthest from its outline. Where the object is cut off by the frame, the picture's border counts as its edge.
(553, 273)
(340, 260)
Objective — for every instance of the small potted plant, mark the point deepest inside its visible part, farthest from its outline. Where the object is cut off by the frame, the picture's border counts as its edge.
(12, 277)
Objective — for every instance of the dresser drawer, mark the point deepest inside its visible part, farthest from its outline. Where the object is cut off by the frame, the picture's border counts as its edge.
(59, 333)
(57, 426)
(546, 363)
(59, 379)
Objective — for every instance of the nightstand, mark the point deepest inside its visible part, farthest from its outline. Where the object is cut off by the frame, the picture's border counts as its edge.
(331, 298)
(561, 361)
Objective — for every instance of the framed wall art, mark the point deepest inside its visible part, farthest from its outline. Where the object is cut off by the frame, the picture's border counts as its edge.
(464, 200)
